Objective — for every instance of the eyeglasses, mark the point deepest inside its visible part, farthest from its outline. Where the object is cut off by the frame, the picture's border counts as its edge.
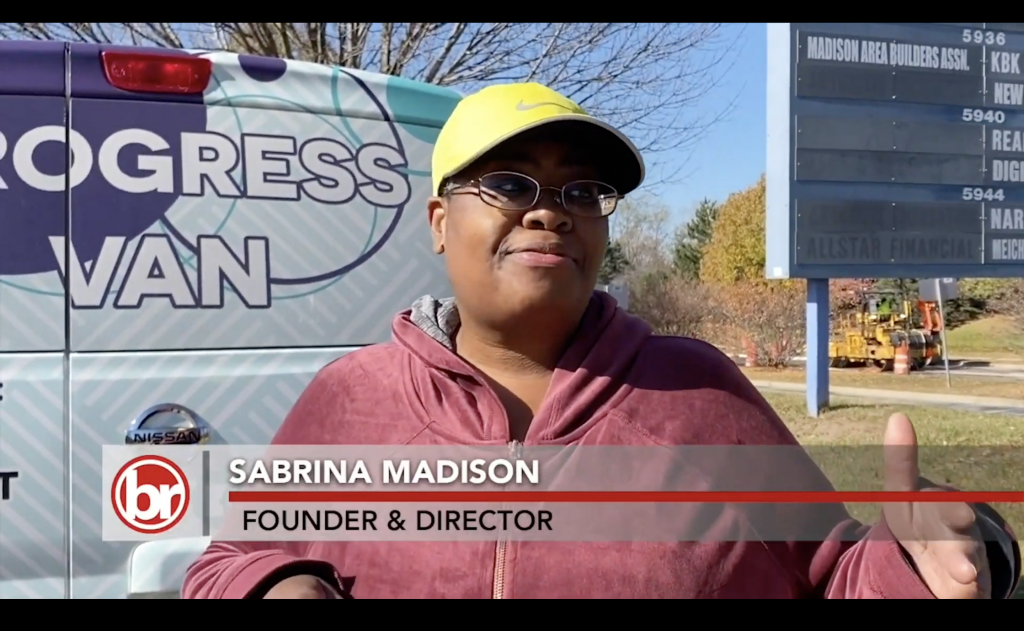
(506, 190)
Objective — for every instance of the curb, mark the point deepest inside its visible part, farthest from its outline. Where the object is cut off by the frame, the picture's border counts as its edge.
(923, 398)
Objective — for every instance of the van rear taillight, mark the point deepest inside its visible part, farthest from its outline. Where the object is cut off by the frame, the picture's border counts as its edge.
(166, 74)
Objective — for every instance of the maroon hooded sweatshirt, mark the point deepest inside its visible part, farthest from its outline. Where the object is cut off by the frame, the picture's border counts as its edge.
(618, 384)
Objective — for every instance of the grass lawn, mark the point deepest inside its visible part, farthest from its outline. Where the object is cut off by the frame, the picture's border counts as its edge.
(992, 338)
(1007, 388)
(970, 451)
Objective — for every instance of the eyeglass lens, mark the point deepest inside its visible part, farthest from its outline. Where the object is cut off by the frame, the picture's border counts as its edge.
(513, 191)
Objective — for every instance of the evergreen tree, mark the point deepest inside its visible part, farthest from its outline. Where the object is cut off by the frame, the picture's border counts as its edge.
(691, 239)
(615, 263)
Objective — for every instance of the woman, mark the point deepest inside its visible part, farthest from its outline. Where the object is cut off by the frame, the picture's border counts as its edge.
(527, 352)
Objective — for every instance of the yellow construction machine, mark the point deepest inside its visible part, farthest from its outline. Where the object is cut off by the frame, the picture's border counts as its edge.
(880, 321)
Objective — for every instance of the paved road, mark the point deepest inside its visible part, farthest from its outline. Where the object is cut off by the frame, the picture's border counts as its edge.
(897, 397)
(978, 409)
(962, 367)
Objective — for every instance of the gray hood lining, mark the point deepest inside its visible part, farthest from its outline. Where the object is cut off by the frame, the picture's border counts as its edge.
(437, 318)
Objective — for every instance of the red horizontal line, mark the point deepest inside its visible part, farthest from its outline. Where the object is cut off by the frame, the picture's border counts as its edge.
(623, 497)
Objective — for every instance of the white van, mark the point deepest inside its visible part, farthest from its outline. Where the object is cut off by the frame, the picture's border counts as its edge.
(196, 231)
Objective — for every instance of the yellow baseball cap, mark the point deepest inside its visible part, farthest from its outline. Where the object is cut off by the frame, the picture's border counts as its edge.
(484, 120)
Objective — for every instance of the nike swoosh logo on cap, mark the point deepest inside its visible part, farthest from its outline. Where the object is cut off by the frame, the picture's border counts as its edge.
(523, 107)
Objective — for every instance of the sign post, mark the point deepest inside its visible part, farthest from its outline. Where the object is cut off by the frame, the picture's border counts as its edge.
(895, 150)
(945, 345)
(940, 290)
(818, 333)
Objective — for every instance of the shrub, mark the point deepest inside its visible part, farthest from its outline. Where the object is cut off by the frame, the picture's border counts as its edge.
(986, 289)
(671, 304)
(1011, 302)
(768, 317)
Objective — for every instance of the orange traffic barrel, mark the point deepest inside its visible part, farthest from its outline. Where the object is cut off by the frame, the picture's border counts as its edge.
(751, 353)
(901, 364)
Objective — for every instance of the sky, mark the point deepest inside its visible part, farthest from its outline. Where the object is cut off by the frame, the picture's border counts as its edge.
(732, 154)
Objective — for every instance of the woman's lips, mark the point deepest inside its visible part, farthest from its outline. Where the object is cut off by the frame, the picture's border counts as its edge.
(540, 259)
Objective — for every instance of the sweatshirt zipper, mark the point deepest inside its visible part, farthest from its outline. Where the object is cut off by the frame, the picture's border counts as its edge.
(515, 452)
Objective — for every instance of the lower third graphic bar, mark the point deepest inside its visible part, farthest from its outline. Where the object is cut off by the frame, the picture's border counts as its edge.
(627, 497)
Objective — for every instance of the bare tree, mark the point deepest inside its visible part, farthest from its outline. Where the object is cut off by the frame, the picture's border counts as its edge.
(642, 227)
(647, 78)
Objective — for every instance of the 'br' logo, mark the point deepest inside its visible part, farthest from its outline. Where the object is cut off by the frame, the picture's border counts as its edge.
(150, 495)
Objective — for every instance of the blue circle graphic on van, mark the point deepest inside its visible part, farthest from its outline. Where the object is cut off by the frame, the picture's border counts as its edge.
(297, 168)
(264, 69)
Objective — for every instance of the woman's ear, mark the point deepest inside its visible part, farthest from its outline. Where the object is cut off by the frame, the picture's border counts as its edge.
(437, 214)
